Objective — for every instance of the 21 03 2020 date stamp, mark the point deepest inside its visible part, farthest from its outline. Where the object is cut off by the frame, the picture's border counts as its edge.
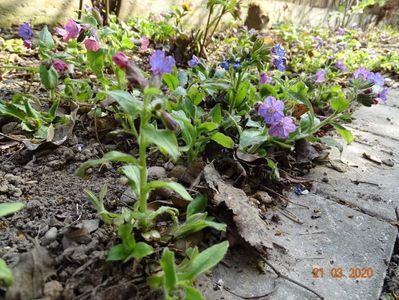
(342, 273)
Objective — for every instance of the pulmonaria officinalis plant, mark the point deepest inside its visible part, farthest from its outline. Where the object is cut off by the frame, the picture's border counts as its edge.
(140, 218)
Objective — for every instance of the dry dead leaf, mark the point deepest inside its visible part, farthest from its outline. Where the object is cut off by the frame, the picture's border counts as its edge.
(246, 217)
(30, 274)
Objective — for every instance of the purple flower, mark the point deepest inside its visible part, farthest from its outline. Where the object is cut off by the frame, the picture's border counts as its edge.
(60, 65)
(25, 32)
(341, 31)
(372, 53)
(278, 50)
(279, 63)
(92, 44)
(340, 65)
(71, 30)
(319, 42)
(193, 61)
(376, 78)
(120, 59)
(271, 110)
(160, 63)
(341, 46)
(282, 128)
(361, 72)
(264, 78)
(320, 76)
(382, 95)
(225, 65)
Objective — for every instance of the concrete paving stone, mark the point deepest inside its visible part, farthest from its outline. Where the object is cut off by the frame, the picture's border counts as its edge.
(331, 237)
(379, 119)
(377, 195)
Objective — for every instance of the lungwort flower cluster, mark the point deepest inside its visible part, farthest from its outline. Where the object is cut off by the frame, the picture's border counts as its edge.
(25, 33)
(272, 110)
(279, 59)
(378, 81)
(71, 30)
(160, 63)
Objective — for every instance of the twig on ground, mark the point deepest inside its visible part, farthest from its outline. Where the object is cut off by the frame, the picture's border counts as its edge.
(289, 279)
(227, 289)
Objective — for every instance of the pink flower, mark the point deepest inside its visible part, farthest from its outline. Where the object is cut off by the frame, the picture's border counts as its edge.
(145, 42)
(264, 78)
(60, 65)
(71, 30)
(92, 44)
(28, 44)
(120, 59)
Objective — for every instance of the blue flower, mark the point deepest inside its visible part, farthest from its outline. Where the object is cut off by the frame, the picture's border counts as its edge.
(278, 50)
(25, 32)
(319, 42)
(279, 63)
(382, 95)
(160, 63)
(377, 79)
(193, 61)
(225, 65)
(237, 65)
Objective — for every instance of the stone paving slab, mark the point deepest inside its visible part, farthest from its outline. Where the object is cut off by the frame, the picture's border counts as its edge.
(379, 119)
(332, 236)
(377, 195)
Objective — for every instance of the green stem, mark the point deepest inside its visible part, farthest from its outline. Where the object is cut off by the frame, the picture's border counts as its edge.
(206, 30)
(142, 158)
(323, 123)
(52, 95)
(216, 25)
(132, 127)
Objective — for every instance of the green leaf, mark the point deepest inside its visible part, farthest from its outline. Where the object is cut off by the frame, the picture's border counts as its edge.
(95, 61)
(48, 77)
(5, 274)
(129, 103)
(339, 104)
(223, 140)
(177, 187)
(332, 143)
(10, 109)
(182, 76)
(216, 114)
(206, 260)
(193, 294)
(125, 232)
(267, 90)
(114, 156)
(133, 175)
(118, 252)
(345, 133)
(141, 250)
(168, 265)
(196, 223)
(198, 205)
(46, 39)
(171, 81)
(10, 208)
(207, 126)
(163, 138)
